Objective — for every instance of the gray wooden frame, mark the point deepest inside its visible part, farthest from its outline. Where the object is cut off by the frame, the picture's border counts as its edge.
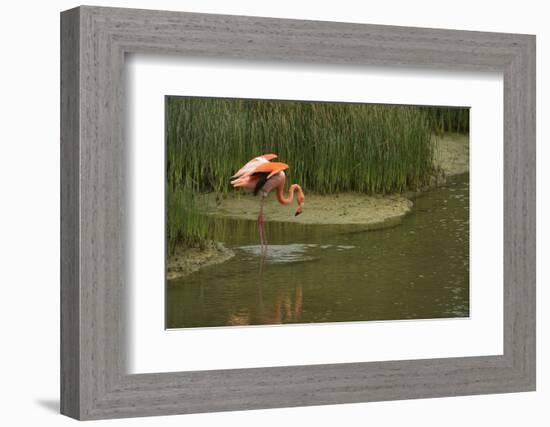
(94, 382)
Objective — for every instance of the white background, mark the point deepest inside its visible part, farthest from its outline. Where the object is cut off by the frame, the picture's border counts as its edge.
(29, 213)
(152, 349)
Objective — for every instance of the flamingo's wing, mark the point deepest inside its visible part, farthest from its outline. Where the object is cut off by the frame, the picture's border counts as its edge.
(271, 168)
(249, 167)
(246, 182)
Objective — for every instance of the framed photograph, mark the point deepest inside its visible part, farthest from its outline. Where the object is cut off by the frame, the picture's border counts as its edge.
(261, 213)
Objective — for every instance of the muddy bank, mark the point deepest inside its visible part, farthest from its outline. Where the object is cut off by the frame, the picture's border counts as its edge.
(188, 260)
(452, 153)
(341, 208)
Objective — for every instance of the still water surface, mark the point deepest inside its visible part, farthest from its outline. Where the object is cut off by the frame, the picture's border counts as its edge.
(418, 269)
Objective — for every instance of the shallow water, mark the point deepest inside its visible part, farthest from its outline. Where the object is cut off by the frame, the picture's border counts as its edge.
(418, 269)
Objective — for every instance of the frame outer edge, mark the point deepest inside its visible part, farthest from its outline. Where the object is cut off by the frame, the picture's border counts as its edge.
(527, 77)
(532, 255)
(70, 396)
(520, 215)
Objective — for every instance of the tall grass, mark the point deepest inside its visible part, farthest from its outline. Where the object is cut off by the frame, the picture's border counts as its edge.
(449, 119)
(186, 223)
(330, 147)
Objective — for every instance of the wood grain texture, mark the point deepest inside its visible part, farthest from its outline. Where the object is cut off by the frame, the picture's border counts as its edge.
(94, 382)
(70, 220)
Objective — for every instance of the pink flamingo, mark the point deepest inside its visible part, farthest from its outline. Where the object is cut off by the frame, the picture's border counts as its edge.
(262, 175)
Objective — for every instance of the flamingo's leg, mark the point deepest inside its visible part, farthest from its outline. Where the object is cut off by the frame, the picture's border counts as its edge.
(264, 234)
(261, 229)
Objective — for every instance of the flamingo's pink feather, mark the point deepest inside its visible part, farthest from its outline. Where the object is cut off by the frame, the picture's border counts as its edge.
(248, 182)
(250, 166)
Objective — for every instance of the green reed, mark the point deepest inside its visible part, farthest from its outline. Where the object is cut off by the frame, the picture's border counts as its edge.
(330, 148)
(449, 119)
(186, 222)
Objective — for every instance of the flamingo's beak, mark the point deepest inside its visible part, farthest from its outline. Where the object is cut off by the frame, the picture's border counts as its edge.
(297, 213)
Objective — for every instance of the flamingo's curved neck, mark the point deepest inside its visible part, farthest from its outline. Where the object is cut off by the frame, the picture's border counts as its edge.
(286, 200)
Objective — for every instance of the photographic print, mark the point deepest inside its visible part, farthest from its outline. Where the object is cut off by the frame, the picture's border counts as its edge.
(286, 212)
